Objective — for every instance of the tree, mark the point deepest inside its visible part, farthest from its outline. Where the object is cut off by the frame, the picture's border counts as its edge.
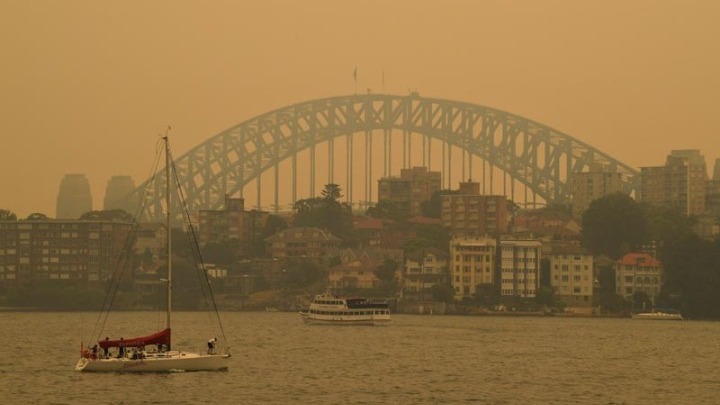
(6, 215)
(108, 215)
(36, 216)
(442, 293)
(692, 276)
(433, 207)
(326, 213)
(223, 252)
(386, 273)
(386, 209)
(614, 225)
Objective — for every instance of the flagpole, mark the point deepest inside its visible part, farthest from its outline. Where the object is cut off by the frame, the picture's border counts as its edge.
(355, 79)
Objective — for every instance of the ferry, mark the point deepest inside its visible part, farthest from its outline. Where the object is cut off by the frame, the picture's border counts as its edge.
(329, 309)
(659, 315)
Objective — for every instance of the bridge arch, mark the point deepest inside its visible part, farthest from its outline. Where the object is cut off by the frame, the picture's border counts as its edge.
(535, 155)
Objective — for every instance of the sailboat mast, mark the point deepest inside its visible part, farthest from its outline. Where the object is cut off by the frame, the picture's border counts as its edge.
(168, 230)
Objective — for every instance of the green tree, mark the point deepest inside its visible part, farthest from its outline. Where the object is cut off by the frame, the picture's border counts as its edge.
(108, 215)
(273, 225)
(433, 207)
(326, 212)
(442, 293)
(486, 295)
(545, 296)
(386, 209)
(6, 215)
(386, 273)
(224, 252)
(692, 276)
(614, 225)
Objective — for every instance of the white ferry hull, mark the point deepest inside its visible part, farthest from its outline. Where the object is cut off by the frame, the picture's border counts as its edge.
(344, 320)
(658, 316)
(176, 362)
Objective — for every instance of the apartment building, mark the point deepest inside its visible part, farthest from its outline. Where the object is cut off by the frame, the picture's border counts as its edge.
(638, 272)
(572, 275)
(681, 183)
(471, 214)
(472, 261)
(520, 267)
(410, 190)
(73, 250)
(590, 186)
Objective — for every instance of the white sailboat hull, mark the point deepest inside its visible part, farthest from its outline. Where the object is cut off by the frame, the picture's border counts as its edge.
(176, 361)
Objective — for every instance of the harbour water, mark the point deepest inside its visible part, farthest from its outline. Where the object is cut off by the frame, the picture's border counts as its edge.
(416, 360)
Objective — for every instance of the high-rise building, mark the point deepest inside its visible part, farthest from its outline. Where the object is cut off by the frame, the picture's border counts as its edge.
(681, 183)
(118, 187)
(74, 198)
(589, 186)
(410, 190)
(471, 214)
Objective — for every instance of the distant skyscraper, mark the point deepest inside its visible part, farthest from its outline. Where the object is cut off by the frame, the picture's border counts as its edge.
(74, 197)
(681, 183)
(117, 189)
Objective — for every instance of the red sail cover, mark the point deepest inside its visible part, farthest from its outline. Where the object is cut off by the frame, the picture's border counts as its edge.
(162, 337)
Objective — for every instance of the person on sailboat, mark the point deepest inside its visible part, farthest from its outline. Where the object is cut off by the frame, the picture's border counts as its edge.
(211, 345)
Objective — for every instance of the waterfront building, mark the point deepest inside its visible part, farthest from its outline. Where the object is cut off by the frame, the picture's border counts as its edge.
(590, 186)
(470, 214)
(681, 183)
(420, 274)
(472, 264)
(74, 198)
(72, 250)
(520, 267)
(414, 186)
(572, 276)
(638, 272)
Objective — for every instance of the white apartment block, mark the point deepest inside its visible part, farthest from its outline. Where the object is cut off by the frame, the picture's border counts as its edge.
(471, 263)
(520, 267)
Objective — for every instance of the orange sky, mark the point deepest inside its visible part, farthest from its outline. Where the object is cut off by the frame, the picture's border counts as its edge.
(86, 86)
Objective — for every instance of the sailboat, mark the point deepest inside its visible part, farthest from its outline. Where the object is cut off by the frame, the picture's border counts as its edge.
(154, 352)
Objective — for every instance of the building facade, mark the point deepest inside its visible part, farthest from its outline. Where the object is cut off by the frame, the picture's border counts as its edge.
(472, 262)
(471, 214)
(520, 267)
(681, 183)
(307, 242)
(638, 272)
(572, 275)
(589, 186)
(410, 190)
(232, 222)
(72, 250)
(421, 274)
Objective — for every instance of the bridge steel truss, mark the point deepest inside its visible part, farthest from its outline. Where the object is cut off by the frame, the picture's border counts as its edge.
(541, 158)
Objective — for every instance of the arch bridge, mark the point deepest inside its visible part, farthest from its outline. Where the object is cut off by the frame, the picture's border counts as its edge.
(379, 133)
